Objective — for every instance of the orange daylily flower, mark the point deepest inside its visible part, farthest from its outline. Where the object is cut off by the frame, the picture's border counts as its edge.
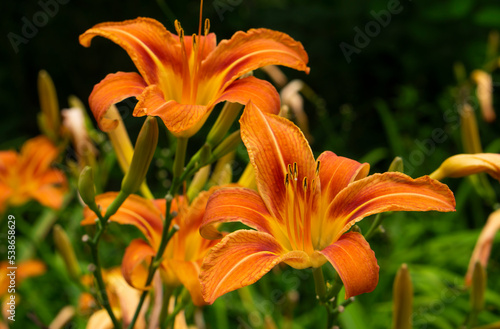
(183, 77)
(304, 210)
(185, 251)
(29, 175)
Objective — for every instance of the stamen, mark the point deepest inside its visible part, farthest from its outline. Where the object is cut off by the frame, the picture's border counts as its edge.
(290, 170)
(317, 167)
(286, 180)
(305, 184)
(295, 173)
(207, 26)
(178, 28)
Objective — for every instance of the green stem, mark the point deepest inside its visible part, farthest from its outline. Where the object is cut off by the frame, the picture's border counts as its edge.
(180, 158)
(169, 290)
(375, 225)
(100, 283)
(319, 283)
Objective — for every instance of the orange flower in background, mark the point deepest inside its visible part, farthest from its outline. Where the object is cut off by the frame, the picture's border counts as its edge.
(28, 175)
(304, 210)
(25, 269)
(122, 297)
(185, 251)
(183, 77)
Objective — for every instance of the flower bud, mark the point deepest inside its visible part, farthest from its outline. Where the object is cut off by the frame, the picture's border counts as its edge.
(469, 130)
(226, 118)
(478, 288)
(143, 154)
(397, 165)
(484, 93)
(66, 250)
(461, 165)
(402, 292)
(198, 182)
(228, 145)
(86, 187)
(49, 119)
(247, 179)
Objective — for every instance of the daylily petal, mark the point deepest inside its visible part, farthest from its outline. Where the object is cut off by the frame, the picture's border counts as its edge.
(240, 259)
(247, 51)
(180, 119)
(134, 211)
(112, 89)
(461, 165)
(355, 262)
(482, 249)
(235, 205)
(336, 173)
(391, 191)
(273, 143)
(188, 273)
(260, 92)
(37, 155)
(136, 254)
(152, 48)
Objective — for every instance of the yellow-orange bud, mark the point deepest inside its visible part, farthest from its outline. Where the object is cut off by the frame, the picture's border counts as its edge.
(402, 299)
(143, 154)
(66, 250)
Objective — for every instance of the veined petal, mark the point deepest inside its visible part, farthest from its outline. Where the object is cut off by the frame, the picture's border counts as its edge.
(240, 259)
(355, 262)
(461, 165)
(235, 205)
(247, 51)
(273, 143)
(260, 92)
(133, 270)
(188, 273)
(180, 119)
(154, 50)
(112, 89)
(337, 172)
(134, 211)
(391, 191)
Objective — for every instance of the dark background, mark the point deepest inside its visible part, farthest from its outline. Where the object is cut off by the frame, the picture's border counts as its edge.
(408, 64)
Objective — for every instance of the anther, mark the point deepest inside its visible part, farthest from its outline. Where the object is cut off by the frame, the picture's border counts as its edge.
(305, 183)
(286, 180)
(295, 173)
(207, 26)
(317, 167)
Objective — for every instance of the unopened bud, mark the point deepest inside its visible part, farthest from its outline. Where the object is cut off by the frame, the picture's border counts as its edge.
(478, 287)
(49, 119)
(397, 165)
(226, 118)
(228, 145)
(86, 187)
(461, 165)
(469, 130)
(402, 299)
(143, 154)
(66, 250)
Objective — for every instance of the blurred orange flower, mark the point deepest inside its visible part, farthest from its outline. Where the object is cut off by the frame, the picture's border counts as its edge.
(28, 175)
(183, 77)
(303, 211)
(185, 251)
(122, 297)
